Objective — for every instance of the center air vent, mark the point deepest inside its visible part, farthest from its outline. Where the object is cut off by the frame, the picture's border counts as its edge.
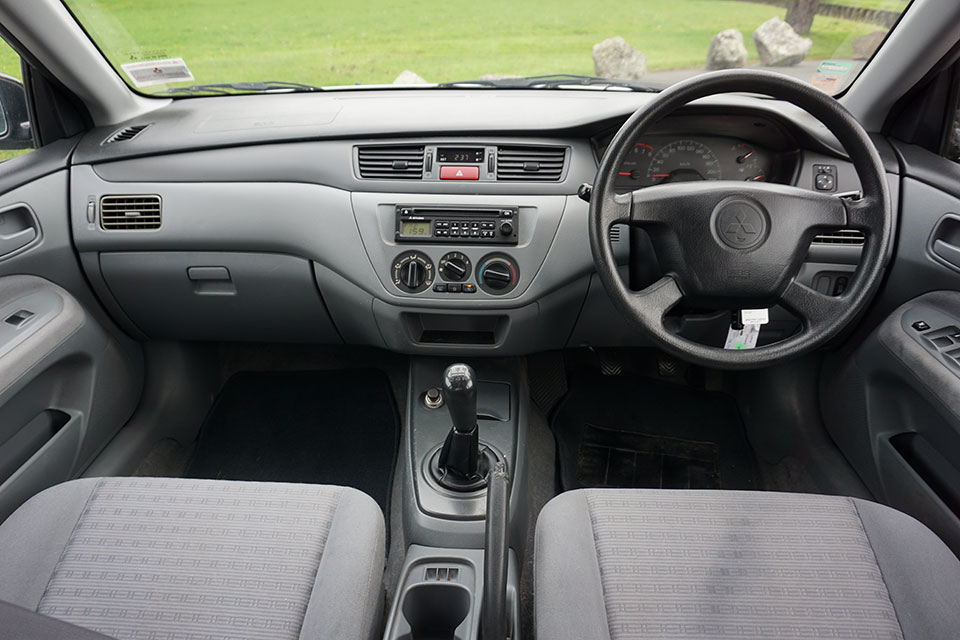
(127, 133)
(391, 163)
(130, 212)
(544, 164)
(849, 237)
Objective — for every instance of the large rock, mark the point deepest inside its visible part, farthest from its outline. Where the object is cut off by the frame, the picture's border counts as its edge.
(409, 77)
(865, 46)
(727, 51)
(615, 59)
(779, 45)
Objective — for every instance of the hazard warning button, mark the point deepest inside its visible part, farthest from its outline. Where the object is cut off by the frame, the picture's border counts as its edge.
(459, 173)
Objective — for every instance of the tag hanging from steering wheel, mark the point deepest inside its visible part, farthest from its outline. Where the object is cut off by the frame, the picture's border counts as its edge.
(746, 336)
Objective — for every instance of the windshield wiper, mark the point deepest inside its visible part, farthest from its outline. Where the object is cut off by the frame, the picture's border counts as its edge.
(233, 88)
(556, 81)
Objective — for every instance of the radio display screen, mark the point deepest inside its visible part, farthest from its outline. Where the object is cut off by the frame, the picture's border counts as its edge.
(460, 154)
(415, 228)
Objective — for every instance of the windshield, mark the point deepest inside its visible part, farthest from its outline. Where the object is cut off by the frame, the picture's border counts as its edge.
(214, 47)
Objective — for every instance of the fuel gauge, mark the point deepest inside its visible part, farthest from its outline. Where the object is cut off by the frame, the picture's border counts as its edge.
(748, 165)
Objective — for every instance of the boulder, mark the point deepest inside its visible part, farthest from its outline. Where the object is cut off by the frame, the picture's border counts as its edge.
(409, 77)
(727, 51)
(865, 46)
(779, 45)
(615, 59)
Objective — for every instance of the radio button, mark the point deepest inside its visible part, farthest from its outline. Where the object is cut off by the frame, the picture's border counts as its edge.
(459, 173)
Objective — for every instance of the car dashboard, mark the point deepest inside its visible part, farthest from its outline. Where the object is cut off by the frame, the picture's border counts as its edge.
(456, 229)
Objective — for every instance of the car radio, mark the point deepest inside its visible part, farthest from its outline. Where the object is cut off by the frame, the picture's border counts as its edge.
(457, 225)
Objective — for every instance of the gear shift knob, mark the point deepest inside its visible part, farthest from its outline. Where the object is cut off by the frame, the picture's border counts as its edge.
(460, 392)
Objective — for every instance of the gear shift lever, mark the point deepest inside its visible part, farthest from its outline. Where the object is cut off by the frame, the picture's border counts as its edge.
(460, 390)
(460, 464)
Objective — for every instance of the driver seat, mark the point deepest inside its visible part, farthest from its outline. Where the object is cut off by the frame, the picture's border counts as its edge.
(656, 564)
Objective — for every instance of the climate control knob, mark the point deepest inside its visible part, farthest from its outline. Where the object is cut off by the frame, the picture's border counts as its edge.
(454, 267)
(412, 272)
(498, 274)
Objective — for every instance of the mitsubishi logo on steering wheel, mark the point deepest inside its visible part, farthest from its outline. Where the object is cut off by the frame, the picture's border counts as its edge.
(740, 224)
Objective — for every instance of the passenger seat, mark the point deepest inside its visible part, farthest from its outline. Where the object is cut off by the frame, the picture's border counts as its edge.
(157, 557)
(671, 565)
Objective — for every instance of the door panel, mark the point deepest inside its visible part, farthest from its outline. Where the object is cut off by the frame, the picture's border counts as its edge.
(69, 379)
(891, 398)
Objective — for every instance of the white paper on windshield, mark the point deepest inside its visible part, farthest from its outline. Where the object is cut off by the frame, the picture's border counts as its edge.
(745, 338)
(151, 72)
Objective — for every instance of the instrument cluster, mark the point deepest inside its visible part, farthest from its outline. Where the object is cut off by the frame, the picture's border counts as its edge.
(659, 159)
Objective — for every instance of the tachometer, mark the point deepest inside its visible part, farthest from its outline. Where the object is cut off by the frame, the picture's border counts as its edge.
(632, 173)
(683, 161)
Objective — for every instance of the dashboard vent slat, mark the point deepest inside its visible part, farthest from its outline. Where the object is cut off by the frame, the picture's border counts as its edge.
(544, 164)
(129, 213)
(391, 163)
(848, 237)
(125, 134)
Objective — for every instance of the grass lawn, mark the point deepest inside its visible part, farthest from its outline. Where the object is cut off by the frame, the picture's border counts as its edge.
(371, 41)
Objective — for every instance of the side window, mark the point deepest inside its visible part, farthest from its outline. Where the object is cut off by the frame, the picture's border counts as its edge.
(16, 137)
(953, 145)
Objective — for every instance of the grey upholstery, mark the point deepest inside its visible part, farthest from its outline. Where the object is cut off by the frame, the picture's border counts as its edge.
(174, 558)
(631, 564)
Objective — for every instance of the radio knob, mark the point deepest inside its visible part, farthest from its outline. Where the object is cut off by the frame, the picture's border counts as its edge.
(506, 228)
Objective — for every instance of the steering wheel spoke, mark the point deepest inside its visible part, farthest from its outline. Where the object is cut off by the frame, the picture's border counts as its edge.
(862, 214)
(656, 301)
(813, 308)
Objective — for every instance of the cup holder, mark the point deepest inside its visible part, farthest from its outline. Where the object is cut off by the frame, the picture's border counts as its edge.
(434, 611)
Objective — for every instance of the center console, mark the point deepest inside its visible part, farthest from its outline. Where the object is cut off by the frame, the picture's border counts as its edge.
(464, 501)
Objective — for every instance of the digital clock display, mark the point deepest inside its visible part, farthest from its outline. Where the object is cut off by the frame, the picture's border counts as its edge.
(415, 228)
(473, 155)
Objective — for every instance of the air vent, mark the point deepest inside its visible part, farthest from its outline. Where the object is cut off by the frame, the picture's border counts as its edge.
(391, 163)
(615, 233)
(544, 164)
(850, 237)
(130, 212)
(125, 134)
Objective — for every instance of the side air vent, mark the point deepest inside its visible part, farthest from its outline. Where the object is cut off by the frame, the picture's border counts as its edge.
(543, 164)
(391, 163)
(849, 237)
(125, 134)
(130, 212)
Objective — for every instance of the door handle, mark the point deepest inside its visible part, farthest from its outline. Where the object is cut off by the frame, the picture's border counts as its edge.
(947, 252)
(944, 242)
(17, 240)
(18, 228)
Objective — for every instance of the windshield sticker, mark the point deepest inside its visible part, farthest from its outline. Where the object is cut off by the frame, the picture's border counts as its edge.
(151, 72)
(829, 75)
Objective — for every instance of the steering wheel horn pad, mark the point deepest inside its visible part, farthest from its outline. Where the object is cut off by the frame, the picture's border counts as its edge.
(734, 245)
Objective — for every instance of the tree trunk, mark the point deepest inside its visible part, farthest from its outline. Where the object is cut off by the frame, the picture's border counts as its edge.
(800, 14)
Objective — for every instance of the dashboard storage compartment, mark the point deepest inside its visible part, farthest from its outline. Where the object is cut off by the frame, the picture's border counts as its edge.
(219, 296)
(437, 328)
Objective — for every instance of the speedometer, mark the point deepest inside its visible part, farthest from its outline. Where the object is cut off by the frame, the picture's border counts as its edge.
(683, 161)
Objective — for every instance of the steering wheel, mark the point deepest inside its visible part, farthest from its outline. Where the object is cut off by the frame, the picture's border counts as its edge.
(740, 245)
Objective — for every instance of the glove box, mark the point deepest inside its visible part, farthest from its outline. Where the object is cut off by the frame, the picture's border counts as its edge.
(219, 296)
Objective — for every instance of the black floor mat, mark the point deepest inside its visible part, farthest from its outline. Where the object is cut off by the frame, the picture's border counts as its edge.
(324, 427)
(634, 432)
